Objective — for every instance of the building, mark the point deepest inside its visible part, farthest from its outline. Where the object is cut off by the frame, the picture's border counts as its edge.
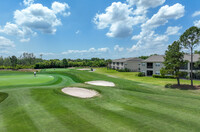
(153, 64)
(132, 64)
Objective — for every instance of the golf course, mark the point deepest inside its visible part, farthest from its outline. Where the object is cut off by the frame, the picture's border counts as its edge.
(37, 104)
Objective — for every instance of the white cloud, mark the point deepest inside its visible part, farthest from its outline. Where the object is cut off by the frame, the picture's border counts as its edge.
(47, 54)
(6, 43)
(77, 32)
(28, 2)
(148, 39)
(119, 18)
(13, 29)
(118, 48)
(151, 41)
(143, 5)
(38, 17)
(58, 7)
(35, 17)
(91, 50)
(197, 23)
(173, 30)
(164, 14)
(196, 13)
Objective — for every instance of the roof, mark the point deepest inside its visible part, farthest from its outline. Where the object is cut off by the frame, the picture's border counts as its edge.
(196, 57)
(155, 58)
(160, 58)
(127, 59)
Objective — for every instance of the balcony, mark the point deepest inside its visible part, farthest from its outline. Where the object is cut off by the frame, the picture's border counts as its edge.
(149, 65)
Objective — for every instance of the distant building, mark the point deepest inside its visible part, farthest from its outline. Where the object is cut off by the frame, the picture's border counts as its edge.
(132, 64)
(153, 64)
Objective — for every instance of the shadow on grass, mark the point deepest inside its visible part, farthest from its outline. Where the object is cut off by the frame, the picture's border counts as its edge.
(183, 87)
(3, 96)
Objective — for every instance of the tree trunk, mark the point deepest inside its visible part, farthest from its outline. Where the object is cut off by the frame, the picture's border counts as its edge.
(191, 67)
(178, 81)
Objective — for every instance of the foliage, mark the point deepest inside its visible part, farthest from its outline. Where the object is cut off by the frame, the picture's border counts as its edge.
(144, 57)
(124, 70)
(141, 74)
(168, 85)
(174, 59)
(190, 39)
(55, 63)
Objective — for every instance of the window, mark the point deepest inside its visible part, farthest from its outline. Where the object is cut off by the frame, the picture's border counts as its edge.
(118, 63)
(158, 64)
(143, 64)
(157, 72)
(122, 63)
(113, 63)
(150, 65)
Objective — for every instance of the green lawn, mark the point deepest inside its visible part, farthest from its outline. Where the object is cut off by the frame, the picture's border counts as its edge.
(129, 106)
(133, 76)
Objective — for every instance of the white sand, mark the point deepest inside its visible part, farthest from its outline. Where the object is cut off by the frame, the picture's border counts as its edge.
(101, 83)
(80, 92)
(84, 69)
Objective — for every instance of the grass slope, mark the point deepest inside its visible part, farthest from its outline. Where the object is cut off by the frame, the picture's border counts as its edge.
(130, 106)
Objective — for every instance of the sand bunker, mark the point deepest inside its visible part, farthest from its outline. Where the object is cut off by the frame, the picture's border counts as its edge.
(80, 92)
(101, 83)
(84, 69)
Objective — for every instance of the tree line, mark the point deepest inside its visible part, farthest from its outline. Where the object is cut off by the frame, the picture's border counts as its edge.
(29, 60)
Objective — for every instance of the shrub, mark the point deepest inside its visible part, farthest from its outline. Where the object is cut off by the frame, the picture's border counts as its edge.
(168, 85)
(160, 76)
(141, 74)
(124, 70)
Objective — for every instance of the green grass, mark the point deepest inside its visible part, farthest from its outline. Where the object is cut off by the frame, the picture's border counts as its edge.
(129, 106)
(133, 76)
(23, 79)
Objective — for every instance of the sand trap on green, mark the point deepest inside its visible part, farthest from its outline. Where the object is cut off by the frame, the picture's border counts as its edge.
(23, 79)
(101, 83)
(80, 92)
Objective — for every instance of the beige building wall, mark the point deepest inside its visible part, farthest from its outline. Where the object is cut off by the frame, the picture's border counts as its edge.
(156, 67)
(133, 66)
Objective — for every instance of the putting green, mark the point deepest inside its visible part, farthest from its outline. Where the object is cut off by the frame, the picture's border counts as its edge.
(23, 79)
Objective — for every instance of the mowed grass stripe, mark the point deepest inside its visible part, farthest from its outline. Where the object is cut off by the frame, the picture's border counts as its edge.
(14, 117)
(41, 118)
(66, 115)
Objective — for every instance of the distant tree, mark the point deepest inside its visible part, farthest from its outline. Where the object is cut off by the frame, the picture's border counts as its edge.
(1, 61)
(7, 62)
(190, 39)
(197, 52)
(41, 56)
(174, 60)
(65, 62)
(144, 57)
(13, 60)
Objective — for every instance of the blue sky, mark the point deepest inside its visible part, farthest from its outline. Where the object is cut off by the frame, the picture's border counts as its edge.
(93, 28)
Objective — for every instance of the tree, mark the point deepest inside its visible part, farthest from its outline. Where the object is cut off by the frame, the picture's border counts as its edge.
(7, 62)
(190, 39)
(13, 60)
(65, 62)
(174, 60)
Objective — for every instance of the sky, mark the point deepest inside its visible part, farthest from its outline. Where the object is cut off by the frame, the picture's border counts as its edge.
(107, 29)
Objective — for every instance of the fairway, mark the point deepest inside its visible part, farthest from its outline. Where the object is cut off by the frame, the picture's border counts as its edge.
(129, 106)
